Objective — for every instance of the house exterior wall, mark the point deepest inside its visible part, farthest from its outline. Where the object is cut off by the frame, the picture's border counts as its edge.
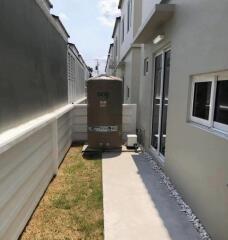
(128, 62)
(196, 157)
(203, 152)
(33, 75)
(131, 75)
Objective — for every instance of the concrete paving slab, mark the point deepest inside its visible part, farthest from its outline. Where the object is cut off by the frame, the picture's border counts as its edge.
(136, 205)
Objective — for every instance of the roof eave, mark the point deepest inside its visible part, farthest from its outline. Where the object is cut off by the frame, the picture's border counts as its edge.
(159, 16)
(115, 26)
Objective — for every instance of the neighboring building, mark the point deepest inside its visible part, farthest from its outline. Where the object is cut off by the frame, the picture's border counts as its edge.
(182, 92)
(116, 45)
(78, 73)
(129, 60)
(126, 54)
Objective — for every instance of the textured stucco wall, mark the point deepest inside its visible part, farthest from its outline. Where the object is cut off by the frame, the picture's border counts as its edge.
(33, 65)
(196, 159)
(132, 75)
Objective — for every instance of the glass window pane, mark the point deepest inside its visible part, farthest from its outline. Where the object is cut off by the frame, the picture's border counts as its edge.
(221, 105)
(165, 101)
(156, 101)
(202, 96)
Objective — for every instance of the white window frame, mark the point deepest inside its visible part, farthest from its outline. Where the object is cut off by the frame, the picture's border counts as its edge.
(210, 123)
(198, 79)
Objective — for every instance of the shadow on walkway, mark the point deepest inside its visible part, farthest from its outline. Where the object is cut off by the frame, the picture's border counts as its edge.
(176, 222)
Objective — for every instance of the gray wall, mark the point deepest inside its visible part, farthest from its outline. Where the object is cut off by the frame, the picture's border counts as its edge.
(33, 65)
(197, 159)
(132, 75)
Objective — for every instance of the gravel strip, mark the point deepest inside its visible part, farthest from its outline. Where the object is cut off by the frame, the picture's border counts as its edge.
(173, 193)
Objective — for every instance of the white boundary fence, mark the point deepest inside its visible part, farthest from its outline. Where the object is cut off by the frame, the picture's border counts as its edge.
(30, 156)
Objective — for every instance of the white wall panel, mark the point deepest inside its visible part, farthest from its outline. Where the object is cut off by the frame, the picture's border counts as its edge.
(79, 123)
(22, 169)
(64, 135)
(29, 158)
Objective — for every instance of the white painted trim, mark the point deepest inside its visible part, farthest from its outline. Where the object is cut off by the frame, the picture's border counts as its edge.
(158, 157)
(198, 79)
(215, 131)
(211, 125)
(10, 138)
(221, 127)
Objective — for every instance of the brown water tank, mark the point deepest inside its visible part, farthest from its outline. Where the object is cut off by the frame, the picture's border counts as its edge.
(104, 95)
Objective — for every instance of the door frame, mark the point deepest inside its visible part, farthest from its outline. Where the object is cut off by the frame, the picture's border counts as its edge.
(156, 152)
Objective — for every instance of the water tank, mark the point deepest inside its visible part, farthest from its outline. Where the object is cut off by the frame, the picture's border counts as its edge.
(104, 94)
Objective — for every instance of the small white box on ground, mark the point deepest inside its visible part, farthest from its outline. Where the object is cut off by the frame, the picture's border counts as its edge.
(132, 140)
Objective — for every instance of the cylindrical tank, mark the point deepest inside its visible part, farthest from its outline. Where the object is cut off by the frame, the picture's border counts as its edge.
(104, 96)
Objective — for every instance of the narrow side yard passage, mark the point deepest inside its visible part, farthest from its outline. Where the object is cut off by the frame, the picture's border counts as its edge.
(137, 206)
(72, 207)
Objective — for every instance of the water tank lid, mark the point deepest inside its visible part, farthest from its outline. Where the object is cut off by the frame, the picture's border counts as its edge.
(105, 77)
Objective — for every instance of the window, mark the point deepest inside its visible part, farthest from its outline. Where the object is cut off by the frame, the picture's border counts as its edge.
(209, 104)
(116, 47)
(129, 14)
(202, 96)
(128, 92)
(123, 30)
(146, 66)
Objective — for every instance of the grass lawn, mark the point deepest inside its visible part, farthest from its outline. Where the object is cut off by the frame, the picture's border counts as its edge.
(72, 207)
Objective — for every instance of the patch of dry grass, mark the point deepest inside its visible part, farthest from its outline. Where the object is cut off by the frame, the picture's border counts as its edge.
(72, 208)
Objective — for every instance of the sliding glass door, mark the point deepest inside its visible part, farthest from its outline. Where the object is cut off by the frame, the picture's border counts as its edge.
(160, 102)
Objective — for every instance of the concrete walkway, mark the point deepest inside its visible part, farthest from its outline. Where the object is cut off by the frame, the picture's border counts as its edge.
(136, 205)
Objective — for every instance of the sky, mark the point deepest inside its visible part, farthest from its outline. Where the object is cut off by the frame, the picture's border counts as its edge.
(90, 25)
